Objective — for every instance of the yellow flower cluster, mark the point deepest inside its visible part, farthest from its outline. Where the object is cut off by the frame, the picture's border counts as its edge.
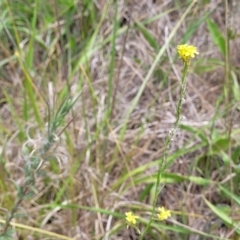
(186, 52)
(131, 218)
(163, 213)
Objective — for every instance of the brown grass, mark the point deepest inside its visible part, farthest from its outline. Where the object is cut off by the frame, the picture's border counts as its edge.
(93, 172)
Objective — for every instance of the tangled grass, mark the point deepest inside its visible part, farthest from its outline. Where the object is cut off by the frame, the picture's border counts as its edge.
(99, 118)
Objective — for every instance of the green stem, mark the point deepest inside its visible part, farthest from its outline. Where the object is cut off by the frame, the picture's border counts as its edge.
(168, 140)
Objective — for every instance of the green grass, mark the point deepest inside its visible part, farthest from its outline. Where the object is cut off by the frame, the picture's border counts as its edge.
(89, 93)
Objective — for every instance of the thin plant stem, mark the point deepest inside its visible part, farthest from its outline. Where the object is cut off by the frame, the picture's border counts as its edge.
(167, 142)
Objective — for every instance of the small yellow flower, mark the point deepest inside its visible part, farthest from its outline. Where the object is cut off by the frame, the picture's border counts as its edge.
(130, 218)
(164, 214)
(187, 52)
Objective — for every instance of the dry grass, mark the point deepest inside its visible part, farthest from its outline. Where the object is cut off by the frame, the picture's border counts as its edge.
(92, 175)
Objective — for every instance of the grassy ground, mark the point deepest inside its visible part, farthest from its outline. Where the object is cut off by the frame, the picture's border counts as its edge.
(89, 95)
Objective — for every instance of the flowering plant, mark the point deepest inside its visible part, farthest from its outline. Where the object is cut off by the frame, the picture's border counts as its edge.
(186, 52)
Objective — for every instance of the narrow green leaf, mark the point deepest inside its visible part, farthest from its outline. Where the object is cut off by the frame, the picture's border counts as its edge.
(198, 180)
(193, 27)
(220, 144)
(216, 36)
(145, 192)
(196, 131)
(208, 65)
(222, 215)
(148, 36)
(90, 48)
(236, 86)
(229, 194)
(30, 52)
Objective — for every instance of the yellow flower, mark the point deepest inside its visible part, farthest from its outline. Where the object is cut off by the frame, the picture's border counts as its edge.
(130, 218)
(163, 213)
(187, 52)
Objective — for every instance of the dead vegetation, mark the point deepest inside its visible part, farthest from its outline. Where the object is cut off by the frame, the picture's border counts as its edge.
(93, 173)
